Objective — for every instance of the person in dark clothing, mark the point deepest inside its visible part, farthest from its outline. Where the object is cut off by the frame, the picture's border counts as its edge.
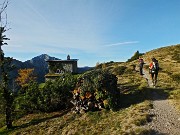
(153, 70)
(141, 63)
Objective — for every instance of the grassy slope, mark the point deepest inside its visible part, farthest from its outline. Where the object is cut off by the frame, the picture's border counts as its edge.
(134, 101)
(104, 122)
(169, 75)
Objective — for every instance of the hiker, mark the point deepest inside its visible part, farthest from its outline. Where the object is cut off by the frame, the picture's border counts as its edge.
(141, 63)
(153, 70)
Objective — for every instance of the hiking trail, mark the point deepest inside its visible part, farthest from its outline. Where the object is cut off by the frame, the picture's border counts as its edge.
(165, 118)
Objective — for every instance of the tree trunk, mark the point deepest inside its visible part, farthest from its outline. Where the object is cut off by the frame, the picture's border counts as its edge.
(8, 117)
(8, 99)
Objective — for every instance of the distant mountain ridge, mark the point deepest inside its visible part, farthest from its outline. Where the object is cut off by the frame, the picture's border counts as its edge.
(40, 66)
(38, 63)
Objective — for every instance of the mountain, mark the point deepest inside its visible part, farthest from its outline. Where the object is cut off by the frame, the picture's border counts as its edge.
(84, 69)
(40, 66)
(38, 63)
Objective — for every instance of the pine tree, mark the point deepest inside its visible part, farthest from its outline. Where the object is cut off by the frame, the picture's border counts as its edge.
(5, 67)
(135, 56)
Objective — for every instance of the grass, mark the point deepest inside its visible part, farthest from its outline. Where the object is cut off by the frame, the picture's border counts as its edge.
(175, 98)
(124, 121)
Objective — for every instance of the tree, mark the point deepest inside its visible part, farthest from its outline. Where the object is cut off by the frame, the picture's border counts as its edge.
(25, 76)
(5, 67)
(135, 56)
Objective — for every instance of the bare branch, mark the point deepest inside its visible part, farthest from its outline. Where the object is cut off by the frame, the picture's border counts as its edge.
(5, 20)
(4, 6)
(3, 11)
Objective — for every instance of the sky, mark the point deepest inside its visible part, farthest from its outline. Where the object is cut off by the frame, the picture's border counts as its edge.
(93, 31)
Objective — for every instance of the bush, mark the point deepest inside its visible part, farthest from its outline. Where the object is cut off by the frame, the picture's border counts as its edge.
(28, 99)
(119, 70)
(53, 96)
(97, 88)
(2, 120)
(56, 94)
(176, 77)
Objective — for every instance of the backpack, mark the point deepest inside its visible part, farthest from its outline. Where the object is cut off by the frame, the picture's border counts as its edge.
(155, 67)
(141, 62)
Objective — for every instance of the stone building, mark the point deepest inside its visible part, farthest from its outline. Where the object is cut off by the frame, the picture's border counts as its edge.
(59, 67)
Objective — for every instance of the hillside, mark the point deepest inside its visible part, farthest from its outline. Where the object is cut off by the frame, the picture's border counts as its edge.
(137, 98)
(169, 75)
(169, 60)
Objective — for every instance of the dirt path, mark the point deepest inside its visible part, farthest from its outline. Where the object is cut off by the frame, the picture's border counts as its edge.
(165, 119)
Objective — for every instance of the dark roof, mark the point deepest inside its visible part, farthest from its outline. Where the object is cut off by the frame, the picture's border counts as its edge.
(71, 60)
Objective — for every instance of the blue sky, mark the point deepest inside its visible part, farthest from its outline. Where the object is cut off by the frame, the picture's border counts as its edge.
(90, 30)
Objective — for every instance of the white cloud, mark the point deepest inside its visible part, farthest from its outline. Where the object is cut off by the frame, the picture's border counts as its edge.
(122, 43)
(36, 12)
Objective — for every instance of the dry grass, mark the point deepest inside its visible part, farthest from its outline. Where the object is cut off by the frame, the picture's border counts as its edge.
(175, 98)
(125, 121)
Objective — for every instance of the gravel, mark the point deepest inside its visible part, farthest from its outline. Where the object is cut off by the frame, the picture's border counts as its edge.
(165, 120)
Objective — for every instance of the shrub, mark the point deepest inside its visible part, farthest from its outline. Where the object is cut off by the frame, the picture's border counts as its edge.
(119, 70)
(56, 94)
(2, 120)
(53, 96)
(96, 89)
(28, 101)
(176, 77)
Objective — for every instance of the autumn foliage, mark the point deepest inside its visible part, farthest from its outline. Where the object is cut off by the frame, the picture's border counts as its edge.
(96, 89)
(25, 76)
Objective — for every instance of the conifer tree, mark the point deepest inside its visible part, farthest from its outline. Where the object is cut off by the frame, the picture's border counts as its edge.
(135, 56)
(5, 67)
